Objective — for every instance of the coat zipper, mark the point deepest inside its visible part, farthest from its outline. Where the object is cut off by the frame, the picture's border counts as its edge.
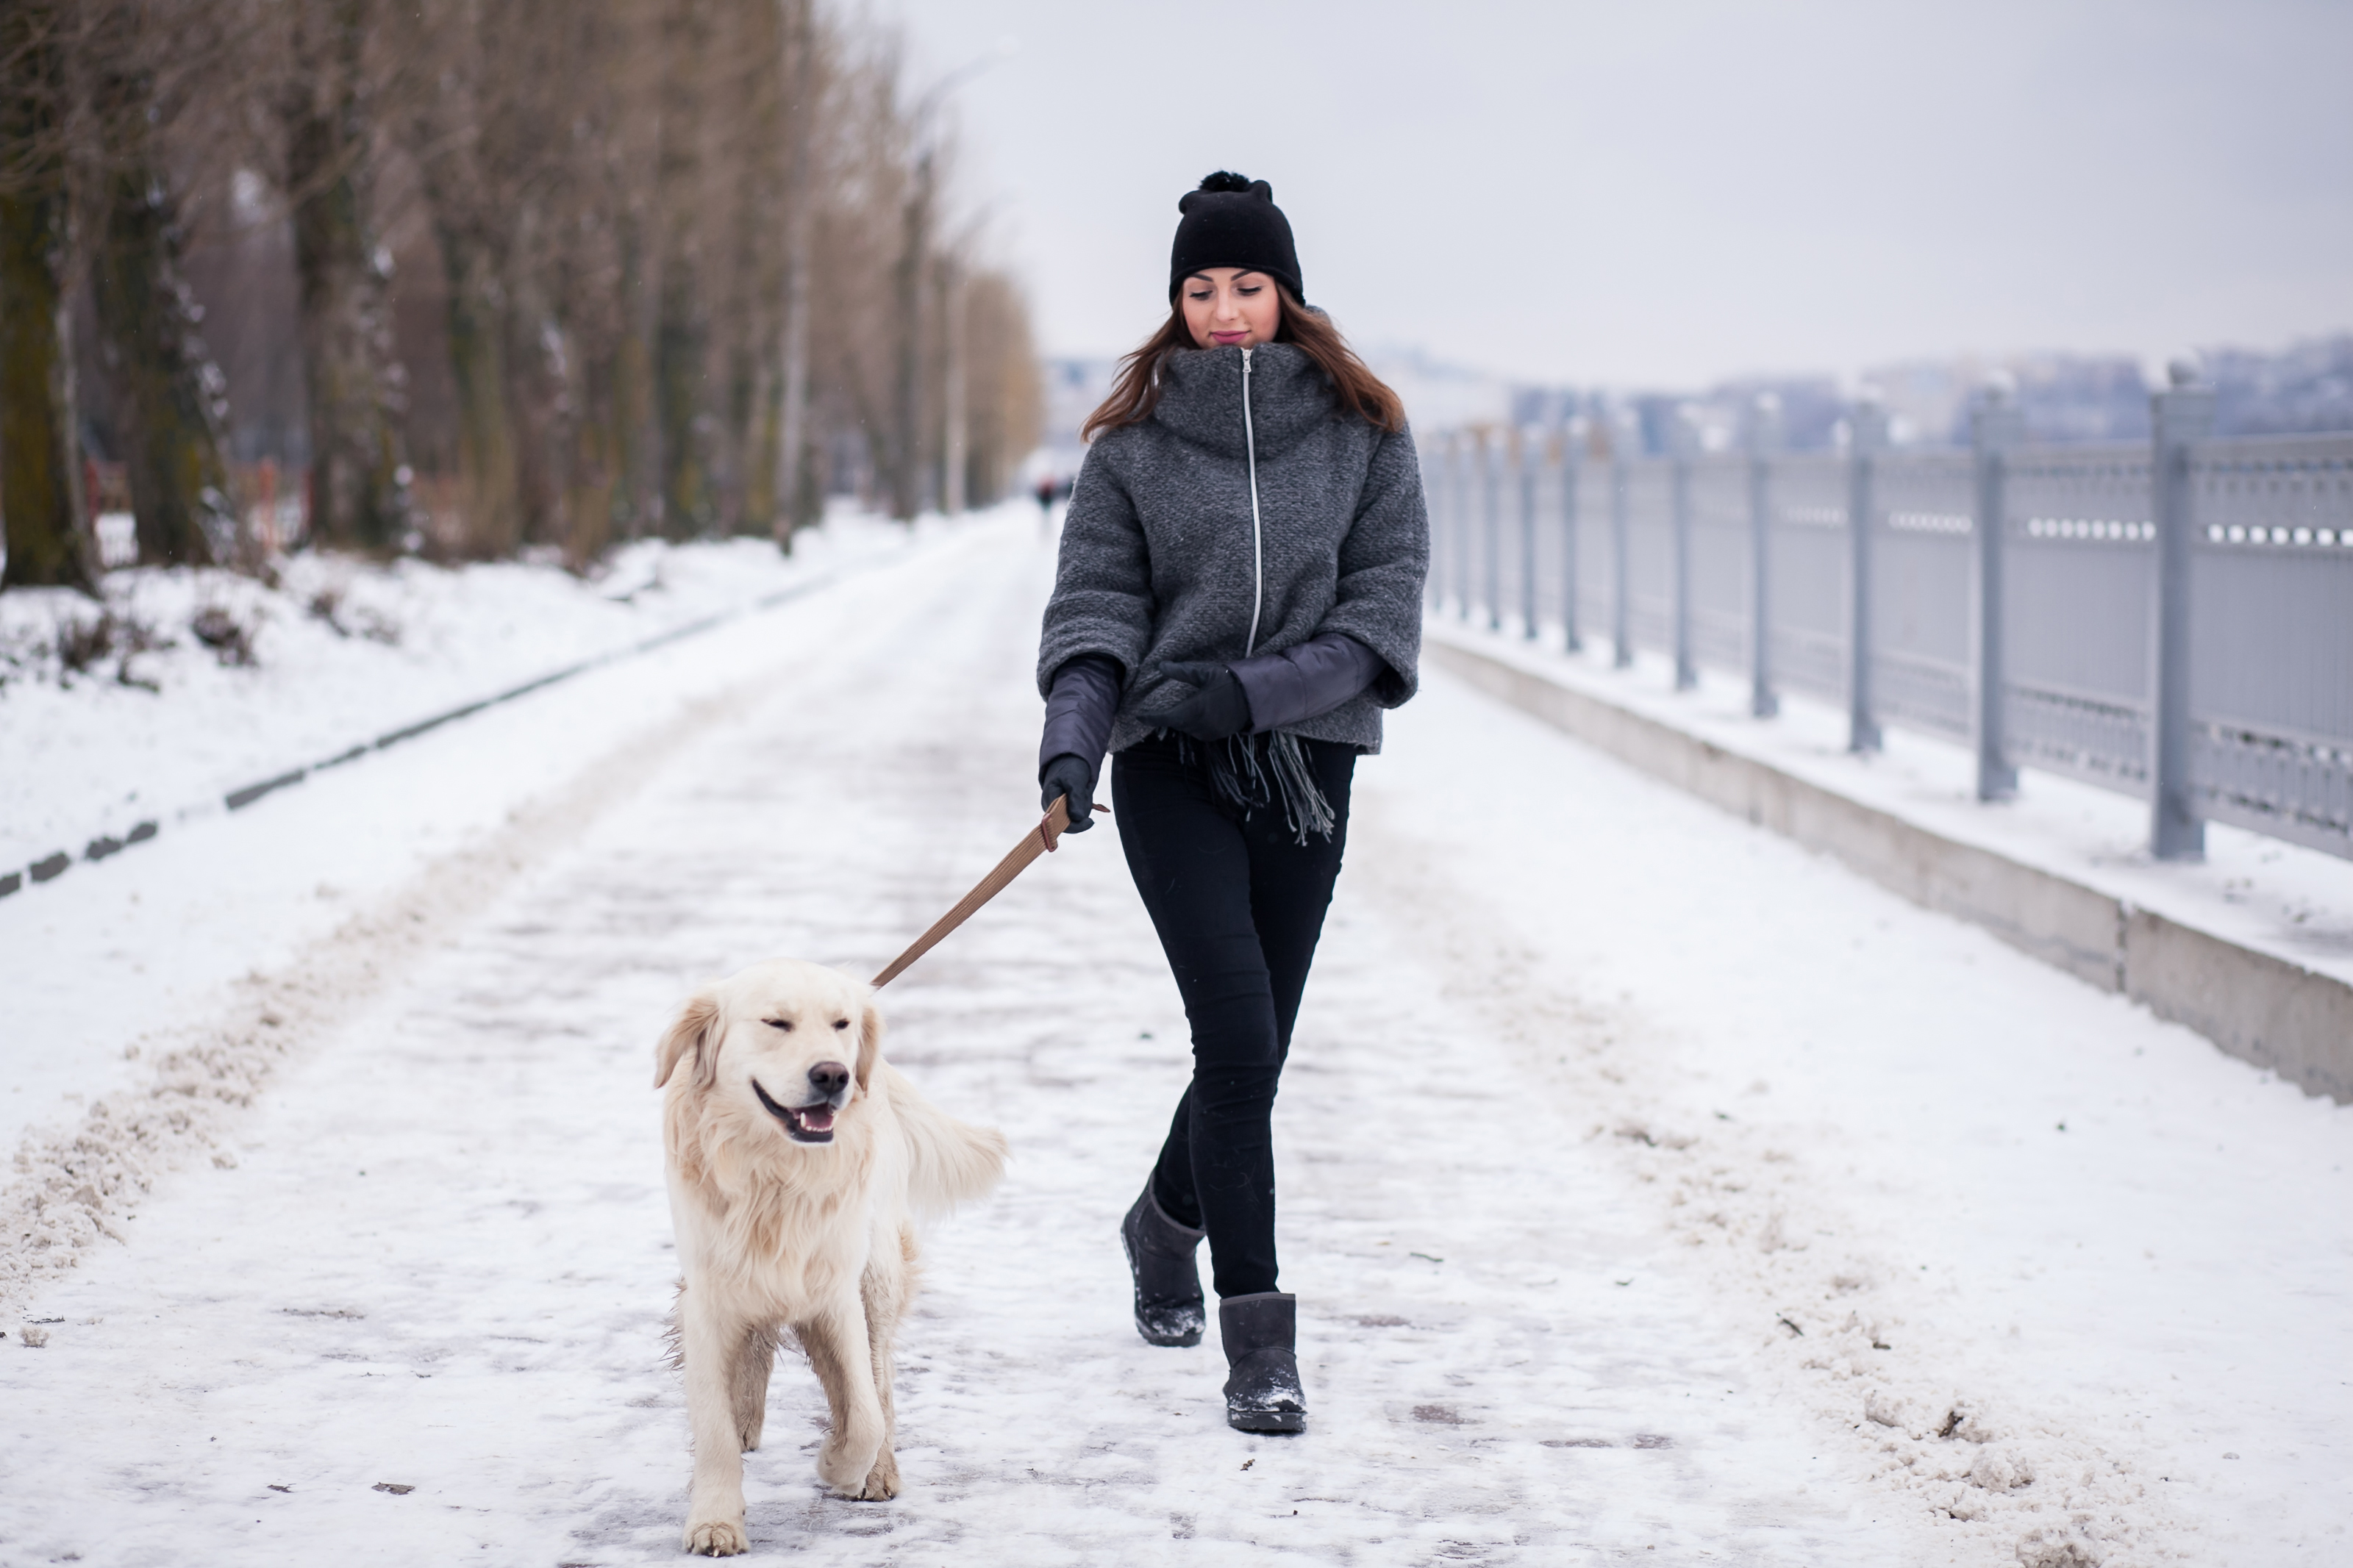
(1258, 548)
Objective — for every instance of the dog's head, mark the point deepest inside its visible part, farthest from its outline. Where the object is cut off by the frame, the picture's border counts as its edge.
(785, 1043)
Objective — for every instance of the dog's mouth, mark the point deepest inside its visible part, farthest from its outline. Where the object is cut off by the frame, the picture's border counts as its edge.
(806, 1123)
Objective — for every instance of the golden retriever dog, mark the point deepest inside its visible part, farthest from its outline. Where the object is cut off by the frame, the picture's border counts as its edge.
(798, 1161)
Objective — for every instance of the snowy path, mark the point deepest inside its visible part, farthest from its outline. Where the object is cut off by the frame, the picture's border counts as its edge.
(1594, 1086)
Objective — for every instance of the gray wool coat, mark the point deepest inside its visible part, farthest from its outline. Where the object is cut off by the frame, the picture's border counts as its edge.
(1157, 561)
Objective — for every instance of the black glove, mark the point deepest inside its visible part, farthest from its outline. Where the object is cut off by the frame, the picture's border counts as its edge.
(1068, 774)
(1217, 706)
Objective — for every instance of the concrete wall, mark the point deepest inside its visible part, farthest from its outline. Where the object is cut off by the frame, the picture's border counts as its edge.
(2266, 1010)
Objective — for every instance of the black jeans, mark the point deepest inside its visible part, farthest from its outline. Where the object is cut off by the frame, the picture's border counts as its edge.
(1239, 906)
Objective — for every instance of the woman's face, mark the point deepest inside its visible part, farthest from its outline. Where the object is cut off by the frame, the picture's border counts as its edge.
(1226, 307)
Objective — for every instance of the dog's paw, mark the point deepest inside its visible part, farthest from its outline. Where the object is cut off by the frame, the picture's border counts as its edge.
(715, 1538)
(849, 1473)
(883, 1480)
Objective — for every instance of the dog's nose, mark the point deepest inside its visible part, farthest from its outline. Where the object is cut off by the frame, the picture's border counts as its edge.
(829, 1079)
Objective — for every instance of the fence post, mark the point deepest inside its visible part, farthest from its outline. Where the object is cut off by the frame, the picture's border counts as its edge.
(1681, 439)
(2181, 413)
(1867, 437)
(1993, 433)
(1433, 484)
(1569, 467)
(1463, 447)
(1491, 456)
(1450, 506)
(1764, 440)
(1529, 444)
(1620, 530)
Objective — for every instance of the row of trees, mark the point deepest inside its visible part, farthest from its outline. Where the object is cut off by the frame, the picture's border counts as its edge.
(538, 272)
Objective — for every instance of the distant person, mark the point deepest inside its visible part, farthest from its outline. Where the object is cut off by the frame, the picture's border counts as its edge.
(1048, 490)
(1239, 598)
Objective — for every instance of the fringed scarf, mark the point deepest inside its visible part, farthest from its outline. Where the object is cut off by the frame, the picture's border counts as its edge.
(1254, 771)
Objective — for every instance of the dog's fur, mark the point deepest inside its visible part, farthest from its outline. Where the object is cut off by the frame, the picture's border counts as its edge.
(779, 1231)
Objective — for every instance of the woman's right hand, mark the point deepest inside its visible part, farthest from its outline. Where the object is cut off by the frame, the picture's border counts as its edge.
(1068, 774)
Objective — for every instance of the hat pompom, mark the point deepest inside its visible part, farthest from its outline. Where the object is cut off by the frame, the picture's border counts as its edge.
(1225, 183)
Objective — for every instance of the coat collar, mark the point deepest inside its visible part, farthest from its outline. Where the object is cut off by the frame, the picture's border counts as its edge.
(1201, 397)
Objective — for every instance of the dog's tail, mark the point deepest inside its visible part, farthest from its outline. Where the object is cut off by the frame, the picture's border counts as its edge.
(949, 1161)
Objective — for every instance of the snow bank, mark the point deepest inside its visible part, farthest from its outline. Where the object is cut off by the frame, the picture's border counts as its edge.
(204, 681)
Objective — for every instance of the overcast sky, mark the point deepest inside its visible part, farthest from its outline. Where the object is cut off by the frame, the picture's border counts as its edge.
(1671, 192)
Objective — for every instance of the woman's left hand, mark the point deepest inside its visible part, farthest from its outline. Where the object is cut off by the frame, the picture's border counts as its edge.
(1215, 708)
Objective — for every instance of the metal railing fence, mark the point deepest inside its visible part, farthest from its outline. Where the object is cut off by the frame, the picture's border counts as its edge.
(2173, 620)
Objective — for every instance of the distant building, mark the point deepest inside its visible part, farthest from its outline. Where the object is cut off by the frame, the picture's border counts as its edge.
(1074, 389)
(2060, 397)
(1440, 396)
(2307, 386)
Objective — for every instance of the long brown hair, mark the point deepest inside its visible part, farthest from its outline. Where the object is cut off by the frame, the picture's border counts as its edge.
(1135, 390)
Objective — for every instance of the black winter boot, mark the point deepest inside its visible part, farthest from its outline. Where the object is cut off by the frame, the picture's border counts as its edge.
(1167, 1281)
(1263, 1392)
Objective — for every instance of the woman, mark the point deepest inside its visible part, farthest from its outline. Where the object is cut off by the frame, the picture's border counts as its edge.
(1239, 598)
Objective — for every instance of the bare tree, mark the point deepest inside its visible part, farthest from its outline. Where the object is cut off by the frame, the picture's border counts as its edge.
(454, 127)
(1003, 393)
(663, 264)
(169, 392)
(800, 42)
(359, 480)
(48, 537)
(683, 328)
(910, 295)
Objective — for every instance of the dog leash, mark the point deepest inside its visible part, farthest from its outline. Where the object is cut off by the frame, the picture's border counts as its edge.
(1043, 839)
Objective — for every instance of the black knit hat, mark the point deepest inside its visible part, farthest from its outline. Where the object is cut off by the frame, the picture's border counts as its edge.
(1232, 221)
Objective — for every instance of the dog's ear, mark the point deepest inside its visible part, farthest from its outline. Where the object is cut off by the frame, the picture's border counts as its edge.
(870, 1043)
(696, 1034)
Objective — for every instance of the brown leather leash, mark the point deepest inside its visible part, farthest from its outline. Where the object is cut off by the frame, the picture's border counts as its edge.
(1042, 839)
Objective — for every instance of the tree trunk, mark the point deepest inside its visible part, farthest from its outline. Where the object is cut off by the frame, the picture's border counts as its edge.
(173, 398)
(541, 406)
(907, 291)
(450, 134)
(485, 451)
(952, 388)
(680, 345)
(359, 476)
(49, 541)
(681, 331)
(636, 442)
(801, 211)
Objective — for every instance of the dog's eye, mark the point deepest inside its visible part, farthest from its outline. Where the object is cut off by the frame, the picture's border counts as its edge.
(842, 1023)
(783, 1024)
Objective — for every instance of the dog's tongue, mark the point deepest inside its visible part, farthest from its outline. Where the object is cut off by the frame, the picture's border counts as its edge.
(818, 1119)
